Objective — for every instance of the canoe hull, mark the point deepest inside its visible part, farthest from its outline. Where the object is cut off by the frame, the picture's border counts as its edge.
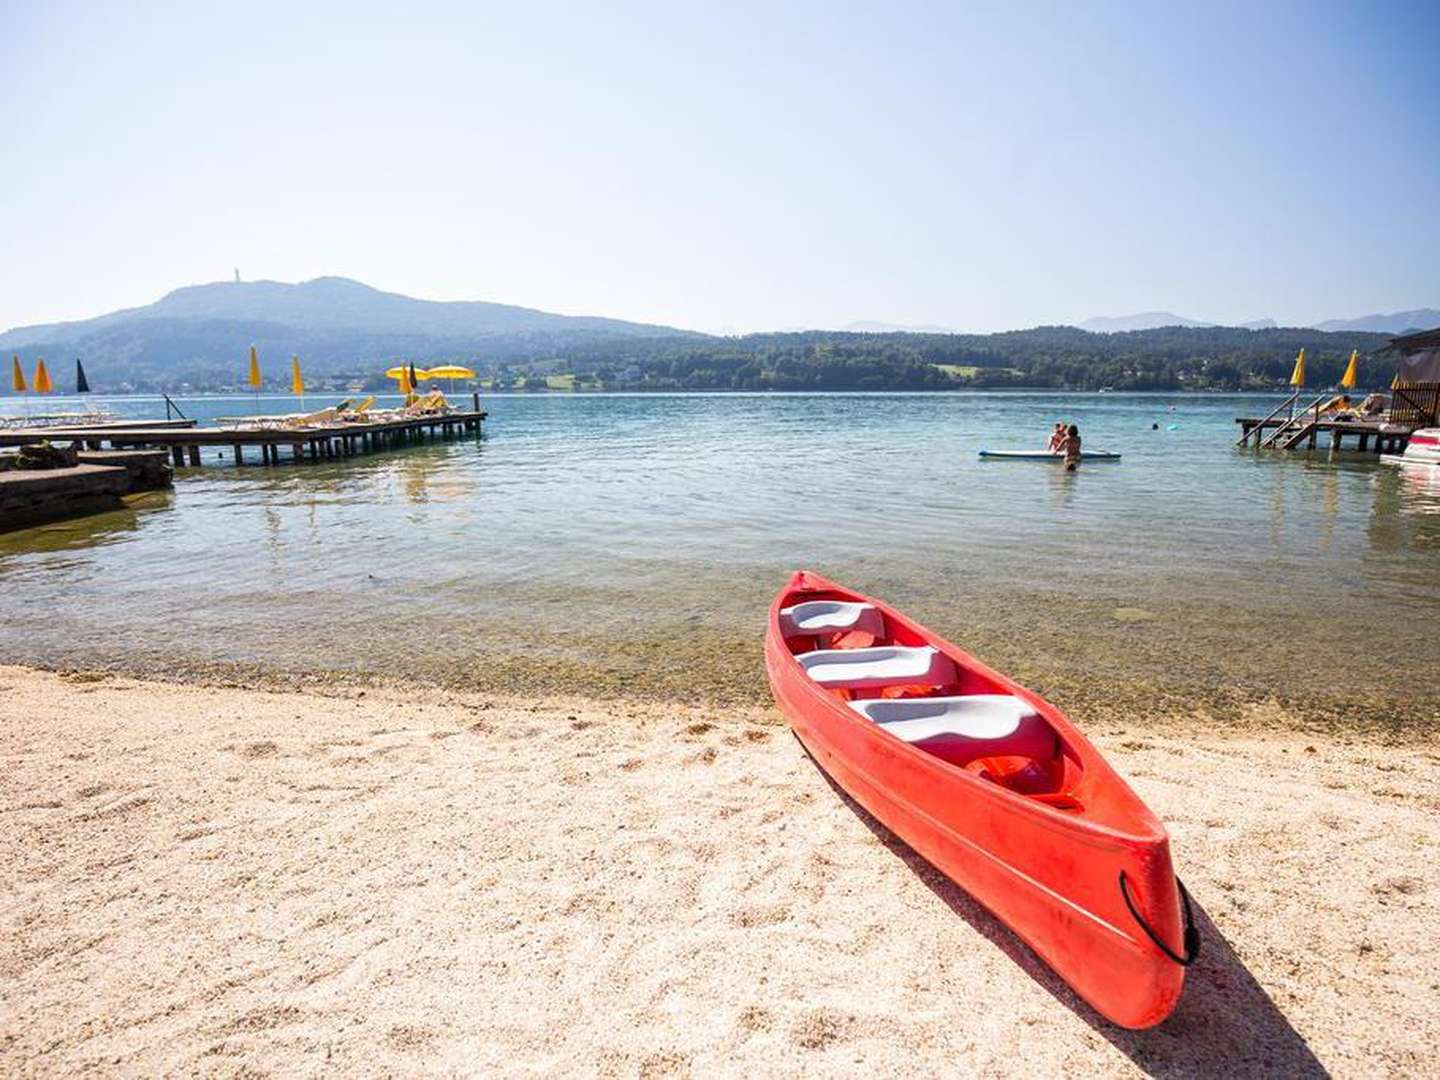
(1052, 879)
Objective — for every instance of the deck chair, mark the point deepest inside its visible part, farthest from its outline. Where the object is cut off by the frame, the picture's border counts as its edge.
(319, 418)
(360, 413)
(434, 401)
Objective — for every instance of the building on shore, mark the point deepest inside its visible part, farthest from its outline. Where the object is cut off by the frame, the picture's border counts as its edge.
(1416, 393)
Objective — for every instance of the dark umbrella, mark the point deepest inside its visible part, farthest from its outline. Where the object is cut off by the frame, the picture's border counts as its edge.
(82, 384)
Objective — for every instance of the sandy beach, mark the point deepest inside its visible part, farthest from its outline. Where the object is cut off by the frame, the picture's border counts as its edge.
(229, 881)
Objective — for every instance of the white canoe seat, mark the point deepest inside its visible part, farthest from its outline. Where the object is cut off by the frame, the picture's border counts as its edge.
(964, 728)
(831, 617)
(886, 665)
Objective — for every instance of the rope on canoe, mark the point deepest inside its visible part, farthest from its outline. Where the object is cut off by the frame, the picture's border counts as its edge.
(1192, 933)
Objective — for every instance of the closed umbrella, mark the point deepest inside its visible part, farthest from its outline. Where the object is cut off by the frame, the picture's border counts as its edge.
(297, 384)
(1297, 377)
(253, 378)
(43, 385)
(17, 381)
(402, 376)
(82, 384)
(409, 376)
(1349, 378)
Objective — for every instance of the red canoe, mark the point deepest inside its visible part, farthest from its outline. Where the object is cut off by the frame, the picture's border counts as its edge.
(991, 784)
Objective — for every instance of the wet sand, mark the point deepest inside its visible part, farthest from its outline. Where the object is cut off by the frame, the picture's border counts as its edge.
(234, 881)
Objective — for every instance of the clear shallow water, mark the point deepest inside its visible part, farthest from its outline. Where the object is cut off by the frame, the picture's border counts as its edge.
(634, 541)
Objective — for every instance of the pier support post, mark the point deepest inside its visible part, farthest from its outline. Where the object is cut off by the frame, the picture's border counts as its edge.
(239, 458)
(195, 455)
(177, 454)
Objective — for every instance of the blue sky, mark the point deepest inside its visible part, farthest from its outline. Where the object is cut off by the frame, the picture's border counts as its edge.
(730, 166)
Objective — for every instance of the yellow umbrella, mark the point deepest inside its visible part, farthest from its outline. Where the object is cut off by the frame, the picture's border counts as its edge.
(1297, 377)
(297, 384)
(402, 373)
(17, 375)
(254, 379)
(451, 372)
(43, 385)
(1348, 379)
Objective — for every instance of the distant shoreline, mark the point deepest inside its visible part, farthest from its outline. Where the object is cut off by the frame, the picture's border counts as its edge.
(284, 392)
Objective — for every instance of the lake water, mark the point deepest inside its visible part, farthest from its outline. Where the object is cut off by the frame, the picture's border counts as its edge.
(631, 543)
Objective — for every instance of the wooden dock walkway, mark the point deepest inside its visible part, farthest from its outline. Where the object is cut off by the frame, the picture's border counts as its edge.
(184, 440)
(21, 436)
(1413, 406)
(1286, 433)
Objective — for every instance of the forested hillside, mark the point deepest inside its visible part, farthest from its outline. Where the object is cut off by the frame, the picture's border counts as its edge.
(1172, 358)
(344, 332)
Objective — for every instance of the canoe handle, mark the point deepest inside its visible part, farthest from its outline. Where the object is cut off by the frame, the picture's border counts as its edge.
(1192, 933)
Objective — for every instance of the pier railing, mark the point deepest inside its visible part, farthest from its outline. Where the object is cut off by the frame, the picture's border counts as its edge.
(1418, 405)
(1297, 420)
(1290, 402)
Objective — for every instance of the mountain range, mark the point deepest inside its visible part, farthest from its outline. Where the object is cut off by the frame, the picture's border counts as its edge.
(198, 335)
(334, 323)
(870, 326)
(1395, 323)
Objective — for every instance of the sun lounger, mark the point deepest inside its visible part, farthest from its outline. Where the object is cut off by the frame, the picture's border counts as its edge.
(361, 413)
(285, 422)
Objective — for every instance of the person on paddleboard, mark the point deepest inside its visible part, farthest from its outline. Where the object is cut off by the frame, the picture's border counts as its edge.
(1071, 448)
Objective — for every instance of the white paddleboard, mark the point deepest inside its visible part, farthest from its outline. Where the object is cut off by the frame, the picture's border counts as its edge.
(1046, 455)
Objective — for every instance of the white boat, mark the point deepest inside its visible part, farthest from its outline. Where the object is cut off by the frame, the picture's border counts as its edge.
(1422, 449)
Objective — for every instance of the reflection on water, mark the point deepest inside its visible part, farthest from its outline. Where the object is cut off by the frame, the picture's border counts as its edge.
(587, 529)
(93, 530)
(1419, 487)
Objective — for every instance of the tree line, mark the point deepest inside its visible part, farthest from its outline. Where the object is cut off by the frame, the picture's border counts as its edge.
(1059, 357)
(171, 356)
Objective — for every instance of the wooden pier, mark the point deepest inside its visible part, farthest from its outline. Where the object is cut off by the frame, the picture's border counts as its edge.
(1289, 428)
(22, 436)
(184, 440)
(1304, 431)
